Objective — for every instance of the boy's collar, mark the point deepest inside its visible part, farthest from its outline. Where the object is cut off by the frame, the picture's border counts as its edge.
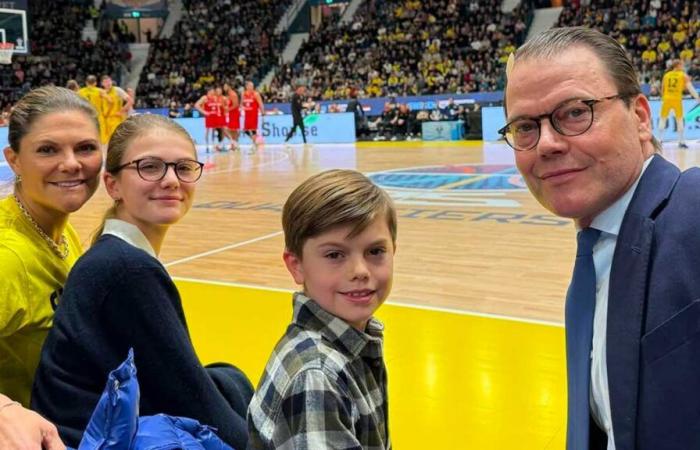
(309, 315)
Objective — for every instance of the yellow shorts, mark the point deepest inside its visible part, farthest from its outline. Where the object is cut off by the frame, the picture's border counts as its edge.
(672, 105)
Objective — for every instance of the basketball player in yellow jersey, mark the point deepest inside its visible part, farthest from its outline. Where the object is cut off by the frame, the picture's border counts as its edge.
(116, 107)
(675, 81)
(96, 97)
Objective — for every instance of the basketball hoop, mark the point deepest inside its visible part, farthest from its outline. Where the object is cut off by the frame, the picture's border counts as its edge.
(6, 49)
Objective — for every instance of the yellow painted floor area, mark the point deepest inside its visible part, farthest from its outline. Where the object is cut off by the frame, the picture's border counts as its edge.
(456, 380)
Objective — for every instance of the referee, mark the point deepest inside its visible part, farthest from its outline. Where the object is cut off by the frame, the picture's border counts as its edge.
(297, 107)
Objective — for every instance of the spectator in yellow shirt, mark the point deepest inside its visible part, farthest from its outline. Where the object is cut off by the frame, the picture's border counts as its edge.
(649, 56)
(642, 40)
(56, 156)
(687, 54)
(664, 46)
(679, 37)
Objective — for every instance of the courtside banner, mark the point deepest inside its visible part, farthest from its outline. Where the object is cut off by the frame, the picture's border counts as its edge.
(336, 128)
(492, 120)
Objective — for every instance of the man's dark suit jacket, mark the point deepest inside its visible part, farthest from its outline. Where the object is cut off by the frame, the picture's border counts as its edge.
(653, 334)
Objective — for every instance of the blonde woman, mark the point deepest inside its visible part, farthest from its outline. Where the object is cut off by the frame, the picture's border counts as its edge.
(55, 154)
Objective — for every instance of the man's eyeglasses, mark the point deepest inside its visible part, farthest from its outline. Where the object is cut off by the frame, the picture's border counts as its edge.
(154, 169)
(571, 118)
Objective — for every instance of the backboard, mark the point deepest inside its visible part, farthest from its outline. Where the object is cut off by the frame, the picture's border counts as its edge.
(13, 26)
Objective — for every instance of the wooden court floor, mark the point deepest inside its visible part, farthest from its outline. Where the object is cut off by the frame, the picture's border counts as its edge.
(474, 341)
(470, 237)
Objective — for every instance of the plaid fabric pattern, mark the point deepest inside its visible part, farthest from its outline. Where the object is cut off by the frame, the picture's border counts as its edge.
(324, 386)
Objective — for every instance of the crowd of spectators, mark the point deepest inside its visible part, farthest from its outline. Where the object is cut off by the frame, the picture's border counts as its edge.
(215, 41)
(391, 47)
(406, 47)
(653, 31)
(58, 52)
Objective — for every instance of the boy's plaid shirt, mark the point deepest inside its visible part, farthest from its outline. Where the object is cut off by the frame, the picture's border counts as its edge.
(324, 386)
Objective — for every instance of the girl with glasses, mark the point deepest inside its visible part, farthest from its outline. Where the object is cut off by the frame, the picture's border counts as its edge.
(119, 296)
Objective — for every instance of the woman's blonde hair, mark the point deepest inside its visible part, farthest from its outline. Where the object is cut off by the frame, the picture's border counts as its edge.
(42, 101)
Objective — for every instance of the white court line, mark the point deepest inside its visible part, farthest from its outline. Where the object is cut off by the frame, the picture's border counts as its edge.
(234, 284)
(283, 154)
(222, 249)
(393, 303)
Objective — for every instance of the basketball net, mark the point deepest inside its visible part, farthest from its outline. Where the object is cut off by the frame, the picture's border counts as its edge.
(6, 49)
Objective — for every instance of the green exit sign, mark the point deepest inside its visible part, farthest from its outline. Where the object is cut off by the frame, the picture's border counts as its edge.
(137, 14)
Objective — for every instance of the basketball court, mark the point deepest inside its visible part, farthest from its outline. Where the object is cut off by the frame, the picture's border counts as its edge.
(474, 325)
(474, 336)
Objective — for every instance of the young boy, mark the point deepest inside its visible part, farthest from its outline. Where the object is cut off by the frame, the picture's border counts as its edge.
(324, 385)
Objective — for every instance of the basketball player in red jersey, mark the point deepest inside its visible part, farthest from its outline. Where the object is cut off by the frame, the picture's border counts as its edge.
(252, 106)
(208, 106)
(220, 117)
(234, 115)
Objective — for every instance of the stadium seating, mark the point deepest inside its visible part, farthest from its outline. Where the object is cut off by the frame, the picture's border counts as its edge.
(58, 52)
(406, 48)
(214, 41)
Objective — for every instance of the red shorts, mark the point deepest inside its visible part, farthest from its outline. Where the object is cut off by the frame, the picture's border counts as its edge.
(234, 120)
(250, 122)
(218, 121)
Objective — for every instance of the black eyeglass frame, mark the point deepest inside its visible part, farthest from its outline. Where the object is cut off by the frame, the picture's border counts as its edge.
(550, 115)
(174, 165)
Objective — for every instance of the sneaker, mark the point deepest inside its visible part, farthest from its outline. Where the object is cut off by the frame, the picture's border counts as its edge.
(682, 145)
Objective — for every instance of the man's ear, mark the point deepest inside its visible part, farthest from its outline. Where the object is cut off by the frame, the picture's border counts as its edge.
(642, 111)
(293, 263)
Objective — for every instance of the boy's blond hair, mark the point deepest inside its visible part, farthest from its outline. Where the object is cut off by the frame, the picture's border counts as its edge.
(332, 199)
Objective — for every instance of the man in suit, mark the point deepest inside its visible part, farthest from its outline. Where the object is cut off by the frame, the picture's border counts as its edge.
(582, 134)
(355, 107)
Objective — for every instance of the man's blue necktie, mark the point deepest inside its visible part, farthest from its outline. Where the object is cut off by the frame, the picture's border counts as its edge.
(580, 308)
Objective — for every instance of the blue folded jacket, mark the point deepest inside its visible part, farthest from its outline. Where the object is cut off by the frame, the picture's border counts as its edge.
(115, 424)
